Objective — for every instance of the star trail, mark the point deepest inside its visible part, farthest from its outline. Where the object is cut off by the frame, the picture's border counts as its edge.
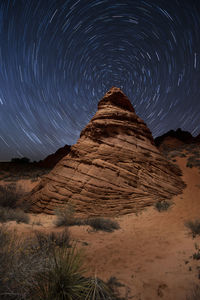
(59, 57)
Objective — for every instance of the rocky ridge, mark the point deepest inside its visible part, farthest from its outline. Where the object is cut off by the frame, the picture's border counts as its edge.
(114, 168)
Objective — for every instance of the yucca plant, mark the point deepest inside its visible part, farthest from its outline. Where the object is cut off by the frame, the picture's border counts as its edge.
(63, 277)
(98, 290)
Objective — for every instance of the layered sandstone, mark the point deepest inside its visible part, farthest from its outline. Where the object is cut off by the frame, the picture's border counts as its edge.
(114, 168)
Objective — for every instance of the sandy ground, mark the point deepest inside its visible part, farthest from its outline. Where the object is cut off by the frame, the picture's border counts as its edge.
(152, 252)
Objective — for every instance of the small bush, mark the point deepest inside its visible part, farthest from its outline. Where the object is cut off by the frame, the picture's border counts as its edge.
(9, 195)
(8, 214)
(194, 226)
(65, 216)
(48, 241)
(102, 224)
(162, 205)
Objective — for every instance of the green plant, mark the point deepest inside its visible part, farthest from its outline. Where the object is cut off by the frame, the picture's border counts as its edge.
(63, 277)
(162, 205)
(194, 226)
(98, 290)
(102, 224)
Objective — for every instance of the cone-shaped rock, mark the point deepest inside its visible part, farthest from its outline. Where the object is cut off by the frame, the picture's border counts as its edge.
(114, 168)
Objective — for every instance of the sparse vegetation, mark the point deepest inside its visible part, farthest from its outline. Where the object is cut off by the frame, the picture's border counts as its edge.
(196, 255)
(103, 224)
(162, 205)
(45, 267)
(65, 217)
(48, 241)
(63, 277)
(98, 290)
(194, 226)
(9, 195)
(9, 214)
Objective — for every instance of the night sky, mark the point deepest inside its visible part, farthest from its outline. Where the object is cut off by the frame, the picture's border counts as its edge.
(59, 57)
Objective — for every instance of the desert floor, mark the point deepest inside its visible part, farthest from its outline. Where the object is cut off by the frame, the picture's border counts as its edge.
(151, 255)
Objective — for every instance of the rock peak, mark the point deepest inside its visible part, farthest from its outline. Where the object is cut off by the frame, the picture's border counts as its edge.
(113, 169)
(113, 90)
(116, 97)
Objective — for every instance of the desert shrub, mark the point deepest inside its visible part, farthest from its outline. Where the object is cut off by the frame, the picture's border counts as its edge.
(9, 195)
(9, 214)
(48, 241)
(195, 293)
(194, 226)
(102, 224)
(7, 251)
(162, 205)
(189, 165)
(196, 255)
(65, 216)
(193, 161)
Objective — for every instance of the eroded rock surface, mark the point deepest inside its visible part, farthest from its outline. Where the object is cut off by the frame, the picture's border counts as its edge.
(114, 168)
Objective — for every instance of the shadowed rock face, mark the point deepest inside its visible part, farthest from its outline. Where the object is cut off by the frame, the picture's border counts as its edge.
(114, 168)
(179, 137)
(51, 160)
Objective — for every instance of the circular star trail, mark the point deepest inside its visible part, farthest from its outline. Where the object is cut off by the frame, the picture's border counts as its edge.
(58, 58)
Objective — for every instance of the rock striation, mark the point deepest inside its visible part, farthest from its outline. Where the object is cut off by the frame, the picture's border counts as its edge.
(114, 168)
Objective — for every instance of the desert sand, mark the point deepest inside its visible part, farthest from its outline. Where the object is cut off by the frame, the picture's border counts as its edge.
(151, 253)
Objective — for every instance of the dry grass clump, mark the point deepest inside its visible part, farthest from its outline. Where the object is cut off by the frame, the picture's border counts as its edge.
(9, 195)
(194, 227)
(48, 241)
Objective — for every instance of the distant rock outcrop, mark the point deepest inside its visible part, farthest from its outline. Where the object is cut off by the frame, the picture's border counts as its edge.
(114, 168)
(51, 160)
(178, 135)
(174, 139)
(197, 139)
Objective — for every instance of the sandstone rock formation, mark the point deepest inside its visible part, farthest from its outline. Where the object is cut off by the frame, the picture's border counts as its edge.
(51, 160)
(114, 168)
